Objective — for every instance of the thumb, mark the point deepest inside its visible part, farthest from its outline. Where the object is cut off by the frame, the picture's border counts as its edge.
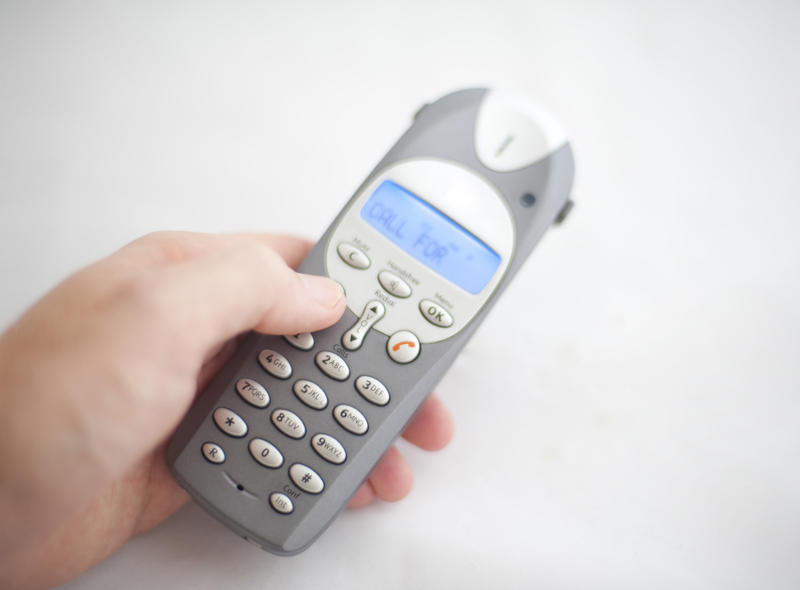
(246, 286)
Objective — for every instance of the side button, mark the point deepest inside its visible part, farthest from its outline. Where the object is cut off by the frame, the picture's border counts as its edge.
(565, 211)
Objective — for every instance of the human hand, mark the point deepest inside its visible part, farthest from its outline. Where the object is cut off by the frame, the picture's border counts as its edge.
(94, 378)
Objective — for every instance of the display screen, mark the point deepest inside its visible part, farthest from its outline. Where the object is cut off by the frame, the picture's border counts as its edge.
(429, 236)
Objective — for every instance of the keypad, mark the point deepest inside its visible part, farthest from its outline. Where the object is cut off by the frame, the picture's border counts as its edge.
(402, 347)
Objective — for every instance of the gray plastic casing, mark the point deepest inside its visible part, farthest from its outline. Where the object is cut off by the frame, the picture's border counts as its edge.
(236, 492)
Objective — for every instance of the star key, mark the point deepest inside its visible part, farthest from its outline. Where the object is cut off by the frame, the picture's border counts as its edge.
(230, 422)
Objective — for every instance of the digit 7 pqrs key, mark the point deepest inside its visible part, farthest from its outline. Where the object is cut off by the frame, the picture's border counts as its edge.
(291, 426)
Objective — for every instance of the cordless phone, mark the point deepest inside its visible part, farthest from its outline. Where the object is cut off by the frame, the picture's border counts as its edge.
(292, 425)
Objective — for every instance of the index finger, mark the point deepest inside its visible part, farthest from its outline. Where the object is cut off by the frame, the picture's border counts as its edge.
(165, 247)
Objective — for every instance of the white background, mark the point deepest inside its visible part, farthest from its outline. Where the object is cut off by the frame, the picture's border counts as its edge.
(628, 415)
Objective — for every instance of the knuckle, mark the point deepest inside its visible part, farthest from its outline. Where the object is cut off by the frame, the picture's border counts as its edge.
(169, 246)
(147, 299)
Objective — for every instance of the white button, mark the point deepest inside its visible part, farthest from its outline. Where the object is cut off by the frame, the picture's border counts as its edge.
(306, 478)
(328, 448)
(394, 284)
(230, 422)
(332, 365)
(281, 502)
(435, 313)
(265, 453)
(354, 337)
(372, 390)
(353, 256)
(252, 392)
(213, 452)
(288, 423)
(350, 419)
(275, 364)
(310, 394)
(403, 347)
(303, 341)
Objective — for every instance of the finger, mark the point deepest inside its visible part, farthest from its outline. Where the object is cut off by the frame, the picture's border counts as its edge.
(432, 426)
(164, 247)
(215, 361)
(392, 478)
(363, 496)
(217, 295)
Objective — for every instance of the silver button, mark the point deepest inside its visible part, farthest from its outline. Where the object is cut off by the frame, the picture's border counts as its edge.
(265, 453)
(328, 448)
(353, 256)
(213, 452)
(394, 284)
(332, 365)
(435, 313)
(275, 364)
(288, 423)
(354, 337)
(403, 347)
(350, 419)
(310, 394)
(281, 502)
(252, 392)
(230, 422)
(372, 390)
(306, 478)
(303, 341)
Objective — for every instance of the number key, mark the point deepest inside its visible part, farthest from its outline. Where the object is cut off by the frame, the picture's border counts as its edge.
(288, 423)
(332, 365)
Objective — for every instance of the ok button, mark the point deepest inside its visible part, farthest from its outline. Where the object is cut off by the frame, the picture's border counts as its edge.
(435, 313)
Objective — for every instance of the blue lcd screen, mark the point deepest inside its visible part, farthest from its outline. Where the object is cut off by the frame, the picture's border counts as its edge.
(431, 237)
